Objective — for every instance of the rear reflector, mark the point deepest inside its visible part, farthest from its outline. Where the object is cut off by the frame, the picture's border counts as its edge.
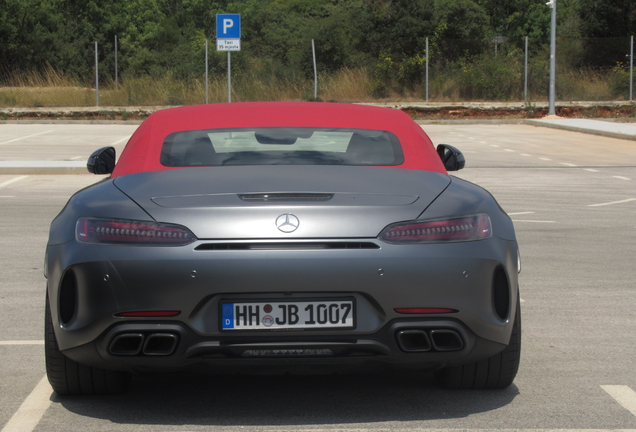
(424, 310)
(465, 228)
(147, 314)
(117, 231)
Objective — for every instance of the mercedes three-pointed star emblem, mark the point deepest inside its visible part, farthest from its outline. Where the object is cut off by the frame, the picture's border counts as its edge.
(287, 222)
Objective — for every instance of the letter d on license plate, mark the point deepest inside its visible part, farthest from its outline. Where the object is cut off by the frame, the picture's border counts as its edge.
(288, 315)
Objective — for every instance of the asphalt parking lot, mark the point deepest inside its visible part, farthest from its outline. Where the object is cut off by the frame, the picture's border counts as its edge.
(573, 199)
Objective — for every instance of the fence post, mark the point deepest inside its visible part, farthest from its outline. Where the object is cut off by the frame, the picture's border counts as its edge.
(525, 75)
(96, 77)
(116, 80)
(426, 69)
(206, 72)
(313, 53)
(631, 68)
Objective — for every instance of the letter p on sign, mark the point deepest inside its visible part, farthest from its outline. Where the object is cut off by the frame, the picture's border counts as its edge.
(227, 23)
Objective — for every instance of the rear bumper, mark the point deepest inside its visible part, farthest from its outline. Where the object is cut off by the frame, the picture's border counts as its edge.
(108, 280)
(184, 350)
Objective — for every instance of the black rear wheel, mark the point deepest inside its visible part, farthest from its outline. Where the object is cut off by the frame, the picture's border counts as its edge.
(496, 372)
(68, 377)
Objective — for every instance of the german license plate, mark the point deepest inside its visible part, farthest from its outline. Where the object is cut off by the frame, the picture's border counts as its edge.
(321, 314)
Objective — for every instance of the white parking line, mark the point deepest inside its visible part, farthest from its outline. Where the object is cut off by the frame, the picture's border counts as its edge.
(567, 164)
(623, 395)
(545, 159)
(525, 154)
(13, 180)
(509, 150)
(120, 141)
(23, 342)
(613, 202)
(494, 145)
(419, 429)
(27, 417)
(519, 213)
(621, 177)
(535, 221)
(591, 170)
(25, 137)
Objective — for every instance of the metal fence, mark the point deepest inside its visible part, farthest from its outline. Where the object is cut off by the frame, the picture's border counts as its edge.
(586, 70)
(450, 70)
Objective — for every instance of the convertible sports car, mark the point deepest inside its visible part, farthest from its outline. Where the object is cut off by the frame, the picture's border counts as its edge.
(278, 237)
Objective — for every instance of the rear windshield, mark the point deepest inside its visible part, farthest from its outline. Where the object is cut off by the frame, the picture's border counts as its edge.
(281, 146)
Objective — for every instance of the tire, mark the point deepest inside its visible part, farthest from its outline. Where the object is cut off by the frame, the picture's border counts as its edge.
(68, 377)
(496, 372)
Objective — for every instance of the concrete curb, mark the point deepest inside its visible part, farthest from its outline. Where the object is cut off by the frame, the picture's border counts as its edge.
(590, 131)
(42, 167)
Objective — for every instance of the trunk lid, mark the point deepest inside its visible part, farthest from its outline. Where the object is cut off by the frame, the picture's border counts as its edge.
(252, 202)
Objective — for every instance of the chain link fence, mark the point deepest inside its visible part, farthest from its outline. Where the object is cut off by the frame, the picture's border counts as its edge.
(451, 71)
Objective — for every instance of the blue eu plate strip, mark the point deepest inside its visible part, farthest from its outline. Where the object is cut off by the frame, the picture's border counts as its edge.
(228, 316)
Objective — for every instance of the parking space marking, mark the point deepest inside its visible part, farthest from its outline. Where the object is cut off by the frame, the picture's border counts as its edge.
(121, 140)
(77, 157)
(494, 145)
(535, 221)
(623, 395)
(621, 177)
(419, 428)
(613, 202)
(591, 170)
(567, 164)
(27, 417)
(545, 159)
(525, 154)
(13, 180)
(25, 137)
(519, 213)
(23, 342)
(509, 150)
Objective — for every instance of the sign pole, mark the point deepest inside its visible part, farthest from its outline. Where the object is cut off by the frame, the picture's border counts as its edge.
(229, 77)
(228, 38)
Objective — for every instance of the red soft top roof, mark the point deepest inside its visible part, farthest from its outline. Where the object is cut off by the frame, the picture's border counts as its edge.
(142, 153)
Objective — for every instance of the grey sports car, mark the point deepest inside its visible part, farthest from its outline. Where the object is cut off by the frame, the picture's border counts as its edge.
(280, 237)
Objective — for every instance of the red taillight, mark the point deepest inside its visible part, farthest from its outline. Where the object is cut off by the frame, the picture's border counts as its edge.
(424, 310)
(148, 314)
(465, 228)
(89, 230)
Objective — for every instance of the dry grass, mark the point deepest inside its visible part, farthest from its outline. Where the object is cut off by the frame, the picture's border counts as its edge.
(51, 89)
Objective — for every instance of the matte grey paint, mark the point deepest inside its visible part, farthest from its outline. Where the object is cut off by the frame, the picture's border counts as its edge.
(455, 275)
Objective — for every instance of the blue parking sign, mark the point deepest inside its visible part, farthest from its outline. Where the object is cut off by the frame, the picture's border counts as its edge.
(228, 26)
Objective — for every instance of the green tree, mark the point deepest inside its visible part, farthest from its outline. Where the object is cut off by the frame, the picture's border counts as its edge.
(614, 18)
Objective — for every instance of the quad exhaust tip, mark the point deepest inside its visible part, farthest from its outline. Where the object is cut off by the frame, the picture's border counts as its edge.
(153, 344)
(424, 340)
(158, 344)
